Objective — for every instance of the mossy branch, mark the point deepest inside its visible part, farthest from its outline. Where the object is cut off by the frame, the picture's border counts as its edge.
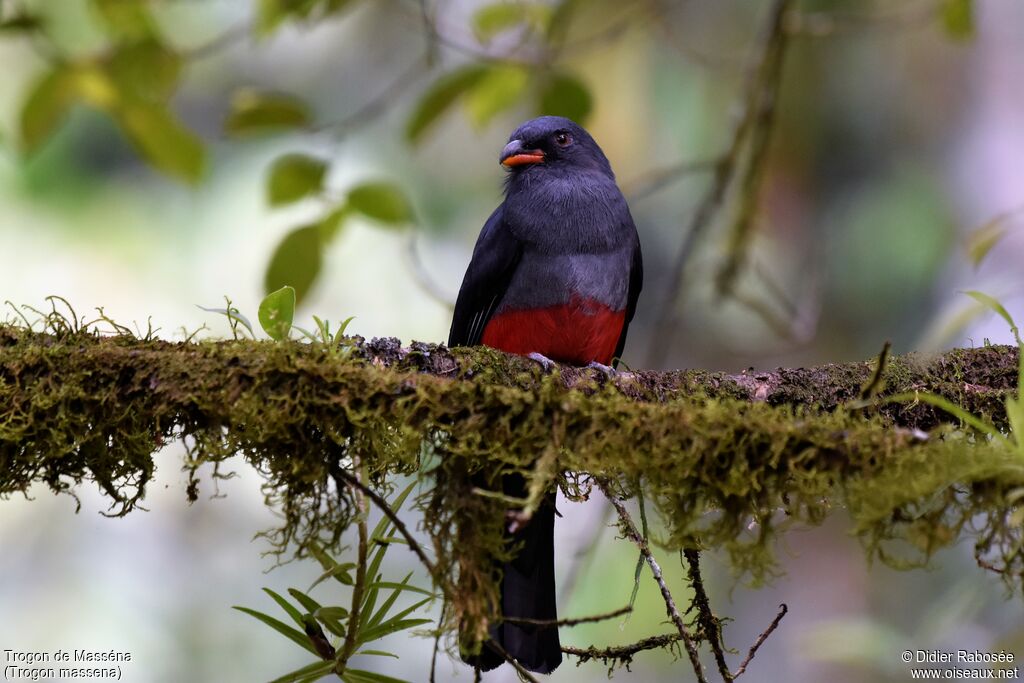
(728, 460)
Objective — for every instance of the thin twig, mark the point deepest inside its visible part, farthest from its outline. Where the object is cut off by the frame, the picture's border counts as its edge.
(666, 594)
(437, 641)
(760, 640)
(376, 106)
(351, 633)
(553, 623)
(653, 181)
(523, 673)
(622, 653)
(710, 625)
(422, 276)
(389, 512)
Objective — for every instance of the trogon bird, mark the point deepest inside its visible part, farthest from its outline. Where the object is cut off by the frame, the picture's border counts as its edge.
(555, 275)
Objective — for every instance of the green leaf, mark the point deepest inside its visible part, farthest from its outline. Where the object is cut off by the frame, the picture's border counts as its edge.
(403, 587)
(993, 303)
(391, 626)
(295, 615)
(381, 201)
(340, 573)
(958, 18)
(333, 569)
(501, 87)
(296, 262)
(335, 613)
(296, 636)
(309, 603)
(382, 612)
(332, 618)
(21, 22)
(490, 20)
(566, 95)
(163, 140)
(48, 103)
(310, 671)
(981, 241)
(126, 19)
(253, 111)
(294, 177)
(377, 653)
(232, 314)
(439, 98)
(146, 70)
(948, 406)
(360, 676)
(1015, 417)
(277, 310)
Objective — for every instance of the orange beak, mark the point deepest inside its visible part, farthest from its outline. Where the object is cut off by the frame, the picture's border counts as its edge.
(515, 154)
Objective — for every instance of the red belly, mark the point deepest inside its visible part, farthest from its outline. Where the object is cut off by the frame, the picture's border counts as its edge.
(576, 333)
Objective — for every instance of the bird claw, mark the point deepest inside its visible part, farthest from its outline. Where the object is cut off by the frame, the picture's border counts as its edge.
(516, 520)
(607, 370)
(543, 360)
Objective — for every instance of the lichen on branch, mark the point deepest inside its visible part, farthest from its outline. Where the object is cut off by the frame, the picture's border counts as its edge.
(728, 460)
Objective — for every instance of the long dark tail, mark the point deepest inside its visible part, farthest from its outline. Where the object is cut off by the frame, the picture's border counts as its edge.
(528, 592)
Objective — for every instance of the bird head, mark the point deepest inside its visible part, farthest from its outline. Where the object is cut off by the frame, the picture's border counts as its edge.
(553, 145)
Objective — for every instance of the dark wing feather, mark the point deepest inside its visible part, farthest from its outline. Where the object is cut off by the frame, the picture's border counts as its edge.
(495, 258)
(636, 283)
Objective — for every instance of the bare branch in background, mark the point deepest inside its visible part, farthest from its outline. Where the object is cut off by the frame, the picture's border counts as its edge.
(758, 105)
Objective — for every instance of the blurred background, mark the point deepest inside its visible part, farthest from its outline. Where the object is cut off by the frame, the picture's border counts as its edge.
(156, 156)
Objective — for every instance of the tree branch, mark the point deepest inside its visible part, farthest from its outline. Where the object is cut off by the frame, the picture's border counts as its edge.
(670, 606)
(783, 610)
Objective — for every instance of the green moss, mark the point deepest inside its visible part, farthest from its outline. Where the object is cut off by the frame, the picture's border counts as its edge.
(722, 471)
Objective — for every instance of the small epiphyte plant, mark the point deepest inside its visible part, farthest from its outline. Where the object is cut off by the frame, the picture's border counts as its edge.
(335, 633)
(276, 315)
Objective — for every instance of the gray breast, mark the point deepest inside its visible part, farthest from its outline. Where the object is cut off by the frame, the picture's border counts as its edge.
(543, 280)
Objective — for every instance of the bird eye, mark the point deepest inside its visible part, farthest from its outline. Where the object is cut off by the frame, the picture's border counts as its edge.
(563, 139)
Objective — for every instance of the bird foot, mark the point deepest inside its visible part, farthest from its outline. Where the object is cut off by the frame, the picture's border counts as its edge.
(516, 520)
(607, 370)
(543, 360)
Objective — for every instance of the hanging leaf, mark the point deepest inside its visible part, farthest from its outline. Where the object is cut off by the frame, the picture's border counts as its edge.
(253, 111)
(146, 70)
(276, 312)
(381, 201)
(490, 20)
(296, 262)
(566, 95)
(163, 140)
(294, 177)
(958, 18)
(126, 19)
(500, 88)
(440, 96)
(981, 241)
(48, 103)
